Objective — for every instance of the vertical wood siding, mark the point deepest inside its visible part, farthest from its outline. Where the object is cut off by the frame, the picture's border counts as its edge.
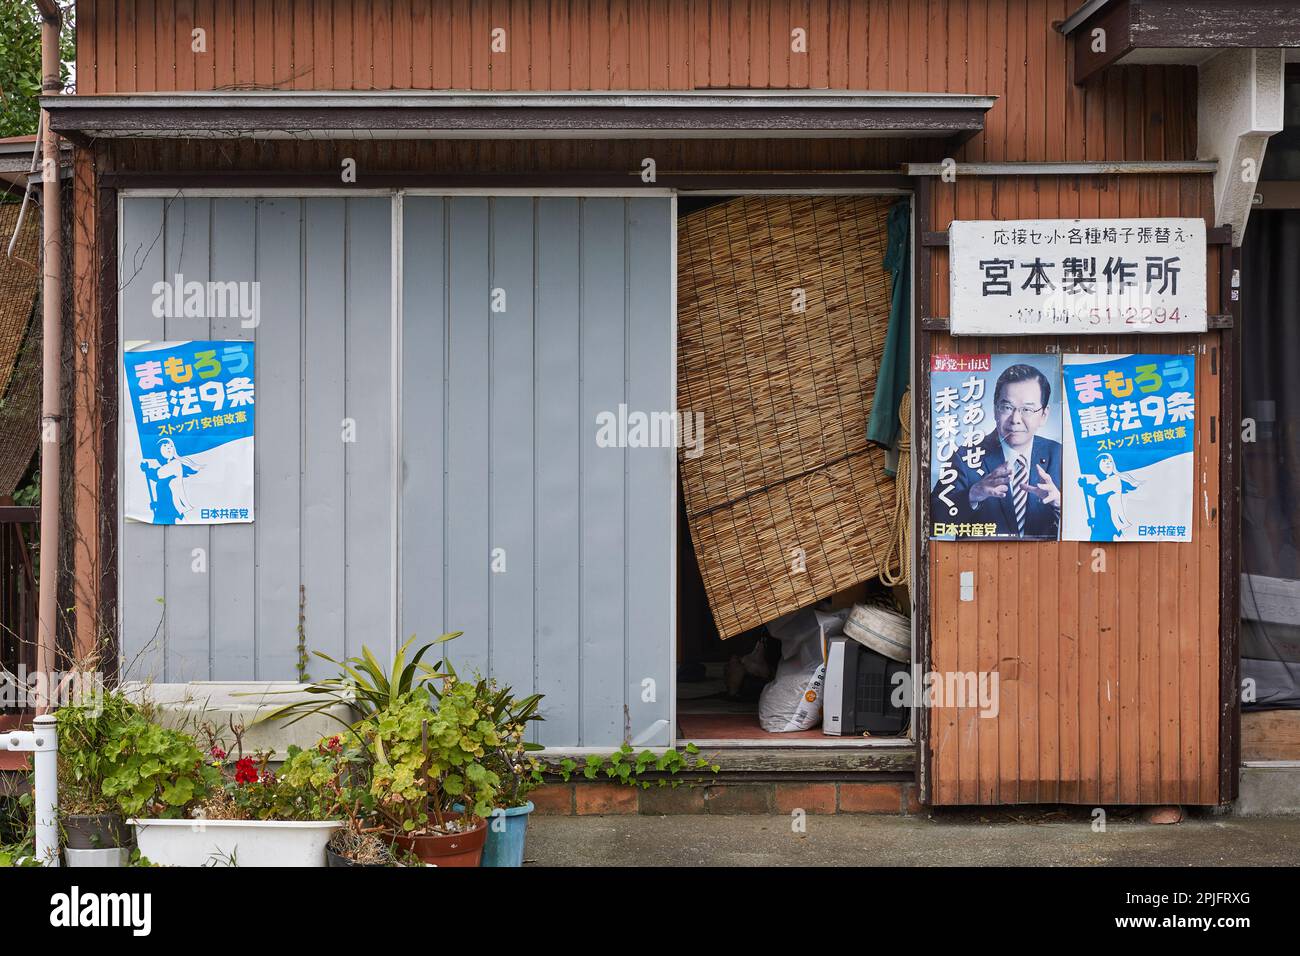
(1109, 681)
(90, 376)
(498, 423)
(1003, 47)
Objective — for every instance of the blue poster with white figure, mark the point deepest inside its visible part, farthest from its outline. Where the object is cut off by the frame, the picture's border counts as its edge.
(1129, 447)
(188, 440)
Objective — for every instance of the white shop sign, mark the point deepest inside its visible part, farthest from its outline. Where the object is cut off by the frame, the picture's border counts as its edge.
(1070, 276)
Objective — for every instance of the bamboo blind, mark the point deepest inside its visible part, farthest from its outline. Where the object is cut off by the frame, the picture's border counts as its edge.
(788, 503)
(20, 347)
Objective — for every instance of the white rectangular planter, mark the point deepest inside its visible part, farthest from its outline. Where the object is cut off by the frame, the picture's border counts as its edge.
(233, 842)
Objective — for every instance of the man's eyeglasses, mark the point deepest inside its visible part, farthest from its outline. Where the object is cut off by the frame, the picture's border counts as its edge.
(1006, 408)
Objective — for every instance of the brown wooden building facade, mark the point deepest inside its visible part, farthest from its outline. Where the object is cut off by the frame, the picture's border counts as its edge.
(1116, 687)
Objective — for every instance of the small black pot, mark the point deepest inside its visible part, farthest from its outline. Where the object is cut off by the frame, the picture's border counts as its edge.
(96, 831)
(337, 859)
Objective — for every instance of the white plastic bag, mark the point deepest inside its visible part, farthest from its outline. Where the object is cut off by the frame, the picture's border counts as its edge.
(793, 700)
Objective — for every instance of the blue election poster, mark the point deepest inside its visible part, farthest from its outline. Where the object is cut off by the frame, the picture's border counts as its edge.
(1128, 450)
(188, 436)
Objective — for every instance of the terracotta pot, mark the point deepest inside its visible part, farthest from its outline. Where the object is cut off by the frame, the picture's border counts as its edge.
(457, 849)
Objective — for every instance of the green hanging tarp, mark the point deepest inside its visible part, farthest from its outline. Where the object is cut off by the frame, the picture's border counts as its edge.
(894, 375)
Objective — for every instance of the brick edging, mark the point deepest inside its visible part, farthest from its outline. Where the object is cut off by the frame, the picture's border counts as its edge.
(592, 798)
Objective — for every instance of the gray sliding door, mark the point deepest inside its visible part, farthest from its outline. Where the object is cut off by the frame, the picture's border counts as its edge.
(521, 320)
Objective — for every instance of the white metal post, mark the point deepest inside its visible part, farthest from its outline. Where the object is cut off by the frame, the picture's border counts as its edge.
(43, 741)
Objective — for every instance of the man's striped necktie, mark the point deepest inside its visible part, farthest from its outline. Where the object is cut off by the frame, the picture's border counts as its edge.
(1020, 492)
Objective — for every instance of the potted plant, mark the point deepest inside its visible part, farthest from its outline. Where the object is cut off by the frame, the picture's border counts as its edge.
(425, 761)
(90, 815)
(247, 814)
(336, 778)
(519, 773)
(431, 786)
(362, 847)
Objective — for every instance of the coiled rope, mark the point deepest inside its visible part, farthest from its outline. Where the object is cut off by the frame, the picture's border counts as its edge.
(900, 542)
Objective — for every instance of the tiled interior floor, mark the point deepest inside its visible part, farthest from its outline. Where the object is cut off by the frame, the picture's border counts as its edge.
(733, 727)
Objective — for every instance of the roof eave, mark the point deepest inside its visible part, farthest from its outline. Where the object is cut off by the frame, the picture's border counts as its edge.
(1081, 15)
(475, 115)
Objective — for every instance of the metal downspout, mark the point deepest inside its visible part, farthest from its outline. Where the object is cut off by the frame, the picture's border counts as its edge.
(51, 362)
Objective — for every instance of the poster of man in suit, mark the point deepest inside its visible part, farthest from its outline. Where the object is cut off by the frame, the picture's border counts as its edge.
(995, 447)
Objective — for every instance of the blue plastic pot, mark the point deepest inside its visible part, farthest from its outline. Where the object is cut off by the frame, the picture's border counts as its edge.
(506, 834)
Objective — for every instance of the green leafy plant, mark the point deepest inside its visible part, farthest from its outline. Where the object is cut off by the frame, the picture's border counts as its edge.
(113, 758)
(29, 495)
(17, 832)
(426, 760)
(365, 685)
(337, 776)
(219, 858)
(642, 769)
(510, 760)
(155, 771)
(87, 752)
(19, 854)
(139, 859)
(303, 657)
(425, 743)
(20, 64)
(311, 784)
(328, 782)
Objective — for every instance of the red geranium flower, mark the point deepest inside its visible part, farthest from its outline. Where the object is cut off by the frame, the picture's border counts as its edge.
(245, 771)
(217, 753)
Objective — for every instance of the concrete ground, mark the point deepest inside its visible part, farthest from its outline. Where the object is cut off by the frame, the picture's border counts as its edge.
(961, 838)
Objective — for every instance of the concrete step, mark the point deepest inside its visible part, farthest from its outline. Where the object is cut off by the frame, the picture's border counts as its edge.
(220, 704)
(1269, 788)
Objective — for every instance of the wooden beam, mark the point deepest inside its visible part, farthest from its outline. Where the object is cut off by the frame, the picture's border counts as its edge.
(87, 423)
(939, 323)
(1215, 24)
(105, 532)
(1135, 25)
(1093, 52)
(1230, 484)
(1270, 735)
(629, 179)
(1119, 167)
(766, 760)
(471, 122)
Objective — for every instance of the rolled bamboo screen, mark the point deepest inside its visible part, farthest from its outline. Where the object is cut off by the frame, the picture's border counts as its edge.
(788, 503)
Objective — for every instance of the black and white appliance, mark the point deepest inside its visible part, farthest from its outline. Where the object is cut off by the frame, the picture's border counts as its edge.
(859, 693)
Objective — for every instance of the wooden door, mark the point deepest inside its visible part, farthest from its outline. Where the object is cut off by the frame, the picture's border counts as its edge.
(1108, 656)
